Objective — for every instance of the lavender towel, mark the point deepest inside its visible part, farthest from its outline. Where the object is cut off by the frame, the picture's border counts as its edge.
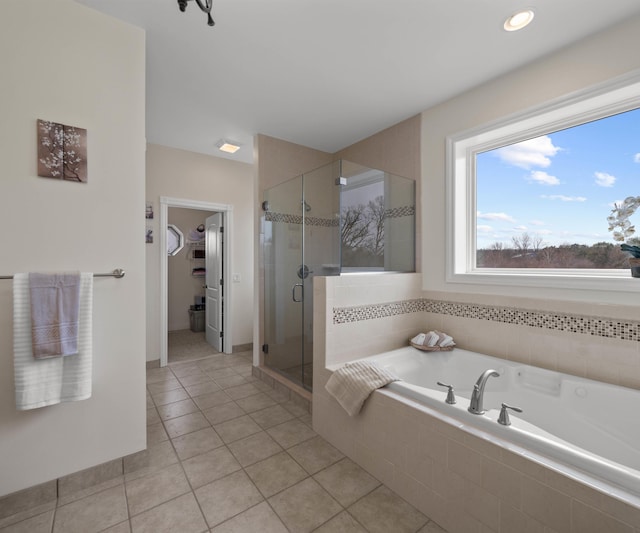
(352, 384)
(55, 303)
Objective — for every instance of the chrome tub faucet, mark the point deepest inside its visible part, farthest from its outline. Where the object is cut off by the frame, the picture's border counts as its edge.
(475, 406)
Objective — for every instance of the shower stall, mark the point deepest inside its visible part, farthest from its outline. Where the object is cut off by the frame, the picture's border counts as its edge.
(339, 218)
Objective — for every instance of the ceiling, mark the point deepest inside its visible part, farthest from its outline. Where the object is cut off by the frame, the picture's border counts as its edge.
(328, 73)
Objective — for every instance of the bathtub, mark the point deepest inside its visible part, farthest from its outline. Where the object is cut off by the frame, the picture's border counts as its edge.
(584, 428)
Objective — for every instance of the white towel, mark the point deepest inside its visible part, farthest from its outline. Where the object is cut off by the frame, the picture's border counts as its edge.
(352, 384)
(41, 382)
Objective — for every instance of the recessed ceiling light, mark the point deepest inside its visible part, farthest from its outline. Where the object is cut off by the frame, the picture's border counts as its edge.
(518, 20)
(230, 147)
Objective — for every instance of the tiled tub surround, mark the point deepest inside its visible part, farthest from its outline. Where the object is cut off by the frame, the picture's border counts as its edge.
(463, 481)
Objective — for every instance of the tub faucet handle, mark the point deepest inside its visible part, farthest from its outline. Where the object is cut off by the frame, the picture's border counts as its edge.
(451, 397)
(504, 415)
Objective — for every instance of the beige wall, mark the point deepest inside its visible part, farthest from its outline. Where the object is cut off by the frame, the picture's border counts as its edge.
(191, 176)
(66, 63)
(183, 286)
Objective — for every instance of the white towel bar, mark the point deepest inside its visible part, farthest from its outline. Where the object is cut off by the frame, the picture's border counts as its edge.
(117, 273)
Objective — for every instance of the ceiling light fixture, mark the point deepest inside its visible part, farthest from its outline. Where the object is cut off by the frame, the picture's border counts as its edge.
(231, 147)
(206, 7)
(518, 20)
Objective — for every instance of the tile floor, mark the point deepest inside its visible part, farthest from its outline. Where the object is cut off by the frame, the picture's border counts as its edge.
(228, 454)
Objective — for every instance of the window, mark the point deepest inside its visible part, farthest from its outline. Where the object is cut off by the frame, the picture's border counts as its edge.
(529, 196)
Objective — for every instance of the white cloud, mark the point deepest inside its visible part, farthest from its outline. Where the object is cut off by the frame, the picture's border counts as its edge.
(520, 228)
(495, 216)
(483, 228)
(636, 158)
(604, 180)
(536, 223)
(541, 177)
(532, 153)
(563, 197)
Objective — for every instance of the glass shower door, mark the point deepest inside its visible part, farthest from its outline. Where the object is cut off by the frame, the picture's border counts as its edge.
(283, 288)
(301, 240)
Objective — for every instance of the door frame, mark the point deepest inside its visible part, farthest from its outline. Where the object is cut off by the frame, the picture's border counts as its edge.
(227, 210)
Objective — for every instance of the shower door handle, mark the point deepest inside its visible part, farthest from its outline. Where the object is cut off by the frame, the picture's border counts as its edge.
(293, 292)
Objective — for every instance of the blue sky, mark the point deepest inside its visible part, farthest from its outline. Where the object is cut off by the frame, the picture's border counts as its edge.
(560, 187)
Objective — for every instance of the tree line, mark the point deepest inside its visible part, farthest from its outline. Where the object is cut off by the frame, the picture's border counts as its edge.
(530, 251)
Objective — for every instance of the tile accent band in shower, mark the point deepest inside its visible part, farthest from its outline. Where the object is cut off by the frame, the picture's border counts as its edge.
(588, 325)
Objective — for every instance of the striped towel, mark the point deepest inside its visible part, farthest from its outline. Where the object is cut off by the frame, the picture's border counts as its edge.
(41, 382)
(352, 384)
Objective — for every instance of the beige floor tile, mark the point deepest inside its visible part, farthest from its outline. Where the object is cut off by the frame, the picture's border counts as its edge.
(196, 443)
(199, 389)
(224, 412)
(27, 512)
(271, 416)
(254, 448)
(122, 527)
(315, 454)
(182, 514)
(275, 474)
(255, 402)
(222, 373)
(305, 506)
(227, 497)
(291, 433)
(185, 424)
(432, 527)
(154, 375)
(93, 513)
(92, 489)
(346, 481)
(154, 489)
(185, 369)
(163, 398)
(342, 523)
(155, 457)
(295, 408)
(231, 381)
(194, 378)
(156, 434)
(210, 466)
(163, 386)
(211, 399)
(278, 395)
(242, 391)
(259, 518)
(382, 511)
(176, 409)
(152, 416)
(41, 523)
(236, 429)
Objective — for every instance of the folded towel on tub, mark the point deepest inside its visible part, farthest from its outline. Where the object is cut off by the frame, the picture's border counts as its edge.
(55, 303)
(352, 384)
(41, 382)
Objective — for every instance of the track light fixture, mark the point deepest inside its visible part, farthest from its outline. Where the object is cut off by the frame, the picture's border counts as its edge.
(205, 6)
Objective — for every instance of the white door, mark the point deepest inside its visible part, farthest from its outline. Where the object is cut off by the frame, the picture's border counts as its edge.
(214, 318)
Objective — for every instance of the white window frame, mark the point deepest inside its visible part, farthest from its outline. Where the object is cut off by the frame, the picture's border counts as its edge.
(615, 96)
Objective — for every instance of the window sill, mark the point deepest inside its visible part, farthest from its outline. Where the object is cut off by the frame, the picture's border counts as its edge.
(583, 279)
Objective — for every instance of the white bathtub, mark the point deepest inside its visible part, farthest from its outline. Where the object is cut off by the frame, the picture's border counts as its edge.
(588, 429)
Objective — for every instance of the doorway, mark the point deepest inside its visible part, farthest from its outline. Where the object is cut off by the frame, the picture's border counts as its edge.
(222, 312)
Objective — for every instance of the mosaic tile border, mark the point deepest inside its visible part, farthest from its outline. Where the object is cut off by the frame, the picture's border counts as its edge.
(396, 212)
(298, 219)
(587, 325)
